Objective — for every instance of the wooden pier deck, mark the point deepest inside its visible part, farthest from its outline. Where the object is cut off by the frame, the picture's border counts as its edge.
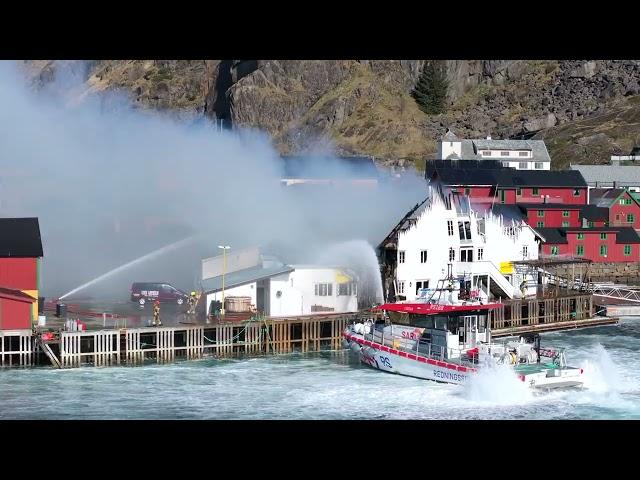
(122, 345)
(131, 346)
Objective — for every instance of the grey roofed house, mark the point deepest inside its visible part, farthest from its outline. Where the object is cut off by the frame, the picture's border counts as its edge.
(608, 175)
(470, 148)
(243, 277)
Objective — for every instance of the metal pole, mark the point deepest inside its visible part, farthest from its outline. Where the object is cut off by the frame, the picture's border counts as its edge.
(224, 267)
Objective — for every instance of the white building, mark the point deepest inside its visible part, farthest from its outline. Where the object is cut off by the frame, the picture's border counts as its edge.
(518, 154)
(478, 242)
(276, 289)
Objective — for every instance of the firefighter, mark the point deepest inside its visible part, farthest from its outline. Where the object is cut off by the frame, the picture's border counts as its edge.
(156, 313)
(192, 303)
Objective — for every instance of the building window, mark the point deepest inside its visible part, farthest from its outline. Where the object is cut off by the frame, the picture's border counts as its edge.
(323, 289)
(554, 250)
(401, 256)
(423, 256)
(466, 254)
(579, 250)
(464, 230)
(346, 289)
(504, 154)
(450, 227)
(576, 192)
(401, 287)
(539, 165)
(523, 154)
(518, 191)
(565, 224)
(627, 250)
(480, 253)
(590, 224)
(535, 191)
(452, 254)
(525, 251)
(467, 191)
(502, 196)
(603, 236)
(505, 164)
(486, 153)
(420, 284)
(565, 213)
(523, 165)
(540, 225)
(581, 236)
(625, 201)
(603, 250)
(630, 218)
(541, 213)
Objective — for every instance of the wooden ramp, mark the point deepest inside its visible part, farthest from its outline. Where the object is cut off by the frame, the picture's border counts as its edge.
(49, 353)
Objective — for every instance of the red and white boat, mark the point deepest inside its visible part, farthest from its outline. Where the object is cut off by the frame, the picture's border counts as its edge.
(450, 343)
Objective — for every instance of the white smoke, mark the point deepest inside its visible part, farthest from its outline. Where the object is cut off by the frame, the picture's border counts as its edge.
(110, 184)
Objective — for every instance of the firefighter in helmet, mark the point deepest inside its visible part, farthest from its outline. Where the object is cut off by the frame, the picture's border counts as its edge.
(192, 303)
(156, 313)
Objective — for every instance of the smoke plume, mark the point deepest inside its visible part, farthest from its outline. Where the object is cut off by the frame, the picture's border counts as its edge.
(110, 184)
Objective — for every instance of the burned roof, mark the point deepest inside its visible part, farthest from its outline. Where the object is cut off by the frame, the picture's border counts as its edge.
(20, 237)
(326, 166)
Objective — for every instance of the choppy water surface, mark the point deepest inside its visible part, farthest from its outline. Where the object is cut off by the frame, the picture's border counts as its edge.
(331, 385)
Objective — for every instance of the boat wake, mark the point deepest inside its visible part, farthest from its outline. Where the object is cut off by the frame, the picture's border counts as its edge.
(497, 385)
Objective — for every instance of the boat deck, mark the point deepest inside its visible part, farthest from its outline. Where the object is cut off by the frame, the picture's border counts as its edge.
(529, 368)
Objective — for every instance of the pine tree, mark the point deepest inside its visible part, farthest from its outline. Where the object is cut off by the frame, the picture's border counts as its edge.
(430, 93)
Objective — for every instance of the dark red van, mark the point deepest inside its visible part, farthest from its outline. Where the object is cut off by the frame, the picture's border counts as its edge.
(143, 292)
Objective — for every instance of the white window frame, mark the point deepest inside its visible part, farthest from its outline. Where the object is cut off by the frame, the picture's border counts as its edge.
(480, 254)
(452, 254)
(523, 165)
(467, 251)
(450, 227)
(523, 154)
(486, 153)
(539, 165)
(423, 256)
(401, 256)
(525, 251)
(401, 287)
(505, 154)
(323, 289)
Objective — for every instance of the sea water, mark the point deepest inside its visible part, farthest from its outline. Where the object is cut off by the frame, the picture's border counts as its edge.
(329, 385)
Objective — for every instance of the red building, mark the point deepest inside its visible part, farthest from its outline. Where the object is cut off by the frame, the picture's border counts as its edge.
(599, 244)
(624, 209)
(20, 254)
(547, 215)
(15, 309)
(491, 182)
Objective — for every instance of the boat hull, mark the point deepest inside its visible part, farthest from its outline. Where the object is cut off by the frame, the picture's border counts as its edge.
(391, 360)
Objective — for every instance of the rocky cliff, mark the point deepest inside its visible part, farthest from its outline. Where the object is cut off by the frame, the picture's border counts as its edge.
(586, 110)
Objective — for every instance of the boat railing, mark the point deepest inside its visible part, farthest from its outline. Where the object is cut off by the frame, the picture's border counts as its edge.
(424, 349)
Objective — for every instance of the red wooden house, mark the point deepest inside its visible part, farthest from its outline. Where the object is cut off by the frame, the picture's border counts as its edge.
(20, 254)
(599, 244)
(624, 209)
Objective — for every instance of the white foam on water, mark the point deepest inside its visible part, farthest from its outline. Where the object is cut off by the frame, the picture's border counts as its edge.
(601, 374)
(497, 385)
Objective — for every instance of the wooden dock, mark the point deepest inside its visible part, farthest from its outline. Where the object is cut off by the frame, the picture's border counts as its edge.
(545, 314)
(120, 345)
(132, 346)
